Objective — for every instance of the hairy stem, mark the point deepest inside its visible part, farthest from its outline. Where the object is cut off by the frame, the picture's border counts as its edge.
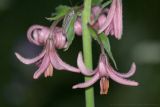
(87, 50)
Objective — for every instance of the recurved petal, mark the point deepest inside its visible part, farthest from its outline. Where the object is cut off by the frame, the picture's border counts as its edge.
(87, 83)
(82, 66)
(110, 16)
(55, 63)
(38, 34)
(30, 33)
(43, 67)
(128, 74)
(67, 66)
(52, 55)
(58, 63)
(32, 60)
(121, 80)
(59, 39)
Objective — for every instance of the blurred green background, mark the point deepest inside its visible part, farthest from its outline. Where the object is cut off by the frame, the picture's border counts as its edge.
(140, 43)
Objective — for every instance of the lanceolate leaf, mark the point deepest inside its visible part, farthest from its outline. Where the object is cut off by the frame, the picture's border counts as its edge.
(67, 20)
(61, 11)
(70, 30)
(105, 41)
(96, 2)
(106, 3)
(94, 34)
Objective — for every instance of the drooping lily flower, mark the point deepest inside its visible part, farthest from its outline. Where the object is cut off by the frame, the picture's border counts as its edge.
(113, 21)
(48, 58)
(108, 20)
(104, 71)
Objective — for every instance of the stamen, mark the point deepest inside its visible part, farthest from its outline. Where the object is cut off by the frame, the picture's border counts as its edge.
(49, 71)
(104, 85)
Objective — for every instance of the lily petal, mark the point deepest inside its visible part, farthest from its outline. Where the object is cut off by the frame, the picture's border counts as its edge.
(102, 69)
(118, 20)
(42, 68)
(128, 74)
(32, 60)
(121, 80)
(110, 16)
(67, 66)
(30, 35)
(54, 61)
(58, 63)
(87, 83)
(82, 66)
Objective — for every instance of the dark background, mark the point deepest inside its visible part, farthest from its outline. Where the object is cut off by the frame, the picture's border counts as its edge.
(140, 43)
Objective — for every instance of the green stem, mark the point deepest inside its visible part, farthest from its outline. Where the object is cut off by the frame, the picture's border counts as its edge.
(87, 50)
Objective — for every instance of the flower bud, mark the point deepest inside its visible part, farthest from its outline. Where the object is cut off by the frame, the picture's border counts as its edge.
(78, 27)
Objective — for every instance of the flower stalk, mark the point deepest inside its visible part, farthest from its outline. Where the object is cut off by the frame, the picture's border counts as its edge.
(87, 50)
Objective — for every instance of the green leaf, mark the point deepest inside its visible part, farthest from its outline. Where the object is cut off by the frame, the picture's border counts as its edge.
(106, 3)
(94, 34)
(61, 11)
(105, 41)
(70, 31)
(96, 2)
(67, 20)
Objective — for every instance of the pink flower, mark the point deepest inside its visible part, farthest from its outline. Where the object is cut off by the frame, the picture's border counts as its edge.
(104, 71)
(48, 58)
(113, 20)
(108, 21)
(78, 27)
(96, 10)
